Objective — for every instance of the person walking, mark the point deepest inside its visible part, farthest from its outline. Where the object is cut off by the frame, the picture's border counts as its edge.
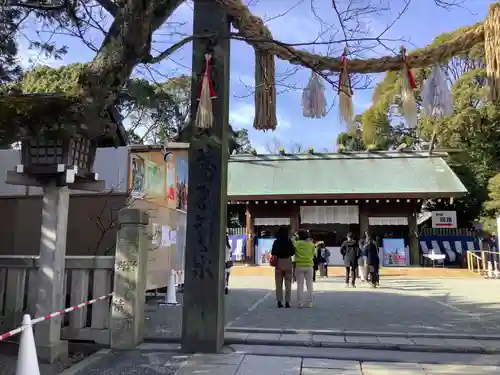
(229, 264)
(322, 259)
(327, 259)
(283, 250)
(315, 265)
(304, 259)
(362, 267)
(372, 261)
(350, 252)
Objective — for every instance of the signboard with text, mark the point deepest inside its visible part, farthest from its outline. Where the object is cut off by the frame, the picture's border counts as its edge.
(444, 219)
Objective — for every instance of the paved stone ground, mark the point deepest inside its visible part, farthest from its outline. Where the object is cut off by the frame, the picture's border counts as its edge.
(166, 322)
(150, 359)
(404, 305)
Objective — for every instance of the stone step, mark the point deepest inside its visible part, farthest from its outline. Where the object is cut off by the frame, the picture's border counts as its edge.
(330, 332)
(366, 342)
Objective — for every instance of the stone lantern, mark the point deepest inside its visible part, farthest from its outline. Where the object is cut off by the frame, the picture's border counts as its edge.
(59, 136)
(60, 148)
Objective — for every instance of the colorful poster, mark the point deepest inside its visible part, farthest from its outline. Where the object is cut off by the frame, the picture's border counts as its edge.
(395, 253)
(237, 243)
(170, 180)
(154, 180)
(138, 177)
(263, 253)
(181, 169)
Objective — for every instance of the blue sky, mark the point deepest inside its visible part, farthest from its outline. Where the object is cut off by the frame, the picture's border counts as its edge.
(418, 26)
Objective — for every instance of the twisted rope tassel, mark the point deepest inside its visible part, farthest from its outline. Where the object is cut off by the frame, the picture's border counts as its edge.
(491, 49)
(204, 113)
(346, 109)
(408, 99)
(436, 95)
(265, 91)
(313, 98)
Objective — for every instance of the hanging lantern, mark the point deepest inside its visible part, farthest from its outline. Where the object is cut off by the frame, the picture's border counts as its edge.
(409, 105)
(204, 113)
(346, 108)
(313, 98)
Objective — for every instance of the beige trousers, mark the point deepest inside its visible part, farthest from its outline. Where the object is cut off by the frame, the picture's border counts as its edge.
(283, 274)
(304, 274)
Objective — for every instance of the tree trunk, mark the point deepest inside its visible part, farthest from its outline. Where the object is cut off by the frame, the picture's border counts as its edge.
(126, 45)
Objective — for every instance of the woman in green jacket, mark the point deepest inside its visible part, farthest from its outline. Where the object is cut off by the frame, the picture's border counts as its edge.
(304, 259)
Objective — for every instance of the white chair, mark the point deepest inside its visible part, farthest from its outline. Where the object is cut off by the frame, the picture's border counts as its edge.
(458, 247)
(436, 255)
(451, 254)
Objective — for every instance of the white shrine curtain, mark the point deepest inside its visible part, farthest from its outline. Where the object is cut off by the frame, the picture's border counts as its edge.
(272, 221)
(376, 221)
(329, 214)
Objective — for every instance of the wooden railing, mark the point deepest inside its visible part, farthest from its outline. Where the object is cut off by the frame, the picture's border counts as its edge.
(85, 277)
(474, 262)
(477, 262)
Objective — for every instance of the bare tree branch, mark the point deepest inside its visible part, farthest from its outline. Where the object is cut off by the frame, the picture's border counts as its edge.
(111, 8)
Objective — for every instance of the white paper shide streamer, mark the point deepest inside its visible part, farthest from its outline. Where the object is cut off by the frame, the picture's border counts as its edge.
(436, 95)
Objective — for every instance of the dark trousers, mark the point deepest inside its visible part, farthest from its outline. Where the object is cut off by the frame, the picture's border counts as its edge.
(350, 271)
(374, 275)
(326, 269)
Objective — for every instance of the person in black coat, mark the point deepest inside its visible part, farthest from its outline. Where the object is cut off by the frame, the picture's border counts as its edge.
(350, 252)
(372, 260)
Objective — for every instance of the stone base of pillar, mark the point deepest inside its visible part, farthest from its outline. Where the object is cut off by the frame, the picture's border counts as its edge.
(57, 351)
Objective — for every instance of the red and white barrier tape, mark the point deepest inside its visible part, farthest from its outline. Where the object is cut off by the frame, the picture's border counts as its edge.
(54, 314)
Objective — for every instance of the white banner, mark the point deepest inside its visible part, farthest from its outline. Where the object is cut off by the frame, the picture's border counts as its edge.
(329, 214)
(444, 219)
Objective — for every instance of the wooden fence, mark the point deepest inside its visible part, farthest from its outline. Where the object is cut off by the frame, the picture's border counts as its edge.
(448, 232)
(86, 277)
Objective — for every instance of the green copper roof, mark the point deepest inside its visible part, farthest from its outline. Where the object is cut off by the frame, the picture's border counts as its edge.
(365, 174)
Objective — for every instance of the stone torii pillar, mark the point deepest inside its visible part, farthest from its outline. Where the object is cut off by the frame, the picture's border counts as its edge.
(203, 310)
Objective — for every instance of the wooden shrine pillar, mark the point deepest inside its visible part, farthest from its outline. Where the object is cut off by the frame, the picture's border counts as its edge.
(203, 309)
(249, 232)
(413, 239)
(295, 219)
(364, 220)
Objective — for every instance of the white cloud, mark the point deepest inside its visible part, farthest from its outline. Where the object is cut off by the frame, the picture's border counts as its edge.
(244, 79)
(242, 115)
(29, 58)
(361, 105)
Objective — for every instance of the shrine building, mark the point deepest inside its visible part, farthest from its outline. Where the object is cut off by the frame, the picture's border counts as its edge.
(332, 194)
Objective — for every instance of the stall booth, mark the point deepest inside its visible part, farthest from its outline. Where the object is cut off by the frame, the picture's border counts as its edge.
(334, 194)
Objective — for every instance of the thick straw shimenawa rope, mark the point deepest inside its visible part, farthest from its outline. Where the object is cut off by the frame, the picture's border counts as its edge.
(492, 49)
(253, 28)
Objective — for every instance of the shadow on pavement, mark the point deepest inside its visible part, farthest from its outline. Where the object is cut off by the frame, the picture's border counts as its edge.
(400, 306)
